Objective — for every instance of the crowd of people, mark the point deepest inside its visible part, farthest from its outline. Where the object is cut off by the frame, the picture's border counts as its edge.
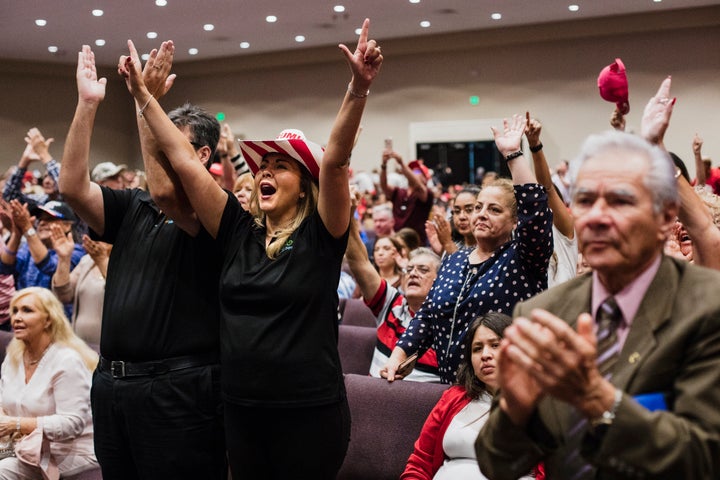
(571, 309)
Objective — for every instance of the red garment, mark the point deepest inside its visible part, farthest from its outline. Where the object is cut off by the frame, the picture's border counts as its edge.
(428, 455)
(397, 315)
(714, 180)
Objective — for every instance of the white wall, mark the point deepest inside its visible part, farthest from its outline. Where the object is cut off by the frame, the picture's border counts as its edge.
(550, 70)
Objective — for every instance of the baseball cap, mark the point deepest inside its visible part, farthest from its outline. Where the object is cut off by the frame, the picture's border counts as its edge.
(105, 170)
(613, 85)
(56, 209)
(418, 167)
(289, 142)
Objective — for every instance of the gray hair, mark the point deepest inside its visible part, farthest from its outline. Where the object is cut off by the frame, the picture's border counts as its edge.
(382, 208)
(428, 253)
(660, 178)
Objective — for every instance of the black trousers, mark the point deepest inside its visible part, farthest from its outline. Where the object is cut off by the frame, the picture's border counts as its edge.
(283, 443)
(167, 426)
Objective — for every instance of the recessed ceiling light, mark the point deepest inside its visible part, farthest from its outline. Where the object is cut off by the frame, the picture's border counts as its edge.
(271, 19)
(97, 12)
(358, 31)
(299, 38)
(193, 51)
(496, 16)
(244, 44)
(52, 49)
(338, 8)
(40, 22)
(208, 27)
(657, 1)
(160, 3)
(152, 35)
(414, 1)
(425, 24)
(99, 42)
(145, 56)
(573, 8)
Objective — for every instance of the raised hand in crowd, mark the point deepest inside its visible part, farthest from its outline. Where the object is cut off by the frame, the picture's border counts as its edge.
(693, 214)
(39, 144)
(99, 252)
(617, 120)
(700, 173)
(439, 234)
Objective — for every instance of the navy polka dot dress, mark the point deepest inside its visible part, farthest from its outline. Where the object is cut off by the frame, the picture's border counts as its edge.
(514, 272)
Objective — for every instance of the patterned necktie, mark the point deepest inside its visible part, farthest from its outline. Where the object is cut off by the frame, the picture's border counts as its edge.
(609, 318)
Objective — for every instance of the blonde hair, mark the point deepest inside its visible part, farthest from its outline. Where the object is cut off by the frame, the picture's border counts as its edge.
(60, 331)
(245, 177)
(508, 189)
(306, 207)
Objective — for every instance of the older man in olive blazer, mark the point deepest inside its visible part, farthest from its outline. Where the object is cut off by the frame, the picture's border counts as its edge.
(655, 413)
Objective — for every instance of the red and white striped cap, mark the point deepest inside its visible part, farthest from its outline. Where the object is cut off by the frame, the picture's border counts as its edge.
(290, 142)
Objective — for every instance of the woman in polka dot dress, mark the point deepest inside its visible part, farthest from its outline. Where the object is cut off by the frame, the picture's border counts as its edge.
(502, 269)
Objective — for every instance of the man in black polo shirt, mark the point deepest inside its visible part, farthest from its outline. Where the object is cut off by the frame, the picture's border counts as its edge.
(156, 393)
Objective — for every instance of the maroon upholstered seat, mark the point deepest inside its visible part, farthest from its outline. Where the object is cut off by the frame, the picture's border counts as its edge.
(353, 311)
(386, 421)
(356, 346)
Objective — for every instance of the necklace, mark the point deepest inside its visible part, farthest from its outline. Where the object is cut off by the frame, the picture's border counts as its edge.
(35, 362)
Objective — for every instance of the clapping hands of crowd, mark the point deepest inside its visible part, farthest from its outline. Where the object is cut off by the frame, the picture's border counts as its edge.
(37, 148)
(62, 242)
(21, 218)
(439, 234)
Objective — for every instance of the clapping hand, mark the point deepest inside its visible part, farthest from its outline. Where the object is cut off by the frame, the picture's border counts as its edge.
(62, 242)
(21, 216)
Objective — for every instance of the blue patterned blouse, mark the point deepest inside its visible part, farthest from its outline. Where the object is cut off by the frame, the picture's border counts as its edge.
(462, 291)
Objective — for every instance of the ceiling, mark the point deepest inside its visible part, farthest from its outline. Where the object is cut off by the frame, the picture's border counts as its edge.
(70, 23)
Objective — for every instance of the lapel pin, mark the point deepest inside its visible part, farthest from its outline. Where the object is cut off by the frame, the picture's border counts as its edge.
(634, 357)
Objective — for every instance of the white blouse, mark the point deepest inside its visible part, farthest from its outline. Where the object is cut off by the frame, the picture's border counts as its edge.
(59, 392)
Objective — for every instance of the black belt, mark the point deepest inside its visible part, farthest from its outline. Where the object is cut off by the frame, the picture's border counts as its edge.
(121, 369)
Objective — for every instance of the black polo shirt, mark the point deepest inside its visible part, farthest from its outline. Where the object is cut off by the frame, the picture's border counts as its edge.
(279, 329)
(161, 293)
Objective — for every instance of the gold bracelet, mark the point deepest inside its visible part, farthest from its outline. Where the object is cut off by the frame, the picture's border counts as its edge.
(356, 94)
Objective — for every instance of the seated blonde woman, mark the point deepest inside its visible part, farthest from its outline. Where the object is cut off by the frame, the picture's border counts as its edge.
(45, 391)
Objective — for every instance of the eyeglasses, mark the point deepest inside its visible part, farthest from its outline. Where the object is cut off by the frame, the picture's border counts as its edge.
(421, 269)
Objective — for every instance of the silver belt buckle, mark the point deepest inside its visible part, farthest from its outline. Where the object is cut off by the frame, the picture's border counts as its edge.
(117, 369)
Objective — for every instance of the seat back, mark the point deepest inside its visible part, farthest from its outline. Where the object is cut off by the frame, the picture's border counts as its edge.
(353, 311)
(356, 346)
(386, 421)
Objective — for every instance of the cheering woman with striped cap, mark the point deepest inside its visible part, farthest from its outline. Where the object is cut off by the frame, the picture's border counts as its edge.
(285, 405)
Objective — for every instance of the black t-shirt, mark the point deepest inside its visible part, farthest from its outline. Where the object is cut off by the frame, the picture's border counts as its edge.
(279, 329)
(161, 292)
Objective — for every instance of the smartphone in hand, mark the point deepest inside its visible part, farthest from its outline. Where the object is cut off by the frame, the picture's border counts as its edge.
(407, 366)
(388, 144)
